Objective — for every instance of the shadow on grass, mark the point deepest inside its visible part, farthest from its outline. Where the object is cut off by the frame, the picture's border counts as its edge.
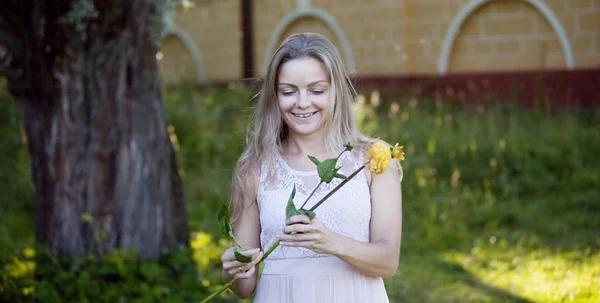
(425, 278)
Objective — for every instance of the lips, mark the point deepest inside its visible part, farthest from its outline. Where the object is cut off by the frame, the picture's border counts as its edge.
(304, 115)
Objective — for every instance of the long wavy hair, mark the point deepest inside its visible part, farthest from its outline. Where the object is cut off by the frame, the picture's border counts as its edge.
(266, 128)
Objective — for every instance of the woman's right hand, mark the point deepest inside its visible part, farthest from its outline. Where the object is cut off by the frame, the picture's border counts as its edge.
(238, 269)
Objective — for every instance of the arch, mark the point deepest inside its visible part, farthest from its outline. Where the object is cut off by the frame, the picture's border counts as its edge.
(320, 15)
(473, 5)
(189, 43)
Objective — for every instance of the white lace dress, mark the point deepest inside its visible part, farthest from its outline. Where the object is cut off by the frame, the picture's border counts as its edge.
(293, 274)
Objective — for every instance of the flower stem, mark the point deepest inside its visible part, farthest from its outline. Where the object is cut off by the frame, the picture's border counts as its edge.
(311, 194)
(270, 251)
(337, 187)
(218, 292)
(343, 151)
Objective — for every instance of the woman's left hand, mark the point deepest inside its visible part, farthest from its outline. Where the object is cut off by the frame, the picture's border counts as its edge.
(300, 231)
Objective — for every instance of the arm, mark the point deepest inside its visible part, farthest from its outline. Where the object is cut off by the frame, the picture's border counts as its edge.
(379, 257)
(247, 232)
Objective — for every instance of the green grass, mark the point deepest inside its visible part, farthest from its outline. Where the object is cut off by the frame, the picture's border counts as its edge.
(500, 204)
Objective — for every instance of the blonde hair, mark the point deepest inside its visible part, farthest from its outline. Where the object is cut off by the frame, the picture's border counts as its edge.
(266, 129)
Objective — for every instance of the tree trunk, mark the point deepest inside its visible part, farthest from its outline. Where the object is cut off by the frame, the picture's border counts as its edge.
(88, 85)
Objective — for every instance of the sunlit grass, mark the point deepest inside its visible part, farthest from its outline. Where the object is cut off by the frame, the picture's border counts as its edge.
(494, 274)
(537, 275)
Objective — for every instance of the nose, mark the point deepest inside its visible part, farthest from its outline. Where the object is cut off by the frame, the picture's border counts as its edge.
(303, 100)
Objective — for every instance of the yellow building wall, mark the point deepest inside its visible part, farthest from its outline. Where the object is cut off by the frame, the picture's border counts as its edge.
(215, 28)
(403, 37)
(175, 62)
(309, 25)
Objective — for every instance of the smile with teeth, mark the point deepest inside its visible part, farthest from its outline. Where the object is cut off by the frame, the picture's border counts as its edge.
(304, 115)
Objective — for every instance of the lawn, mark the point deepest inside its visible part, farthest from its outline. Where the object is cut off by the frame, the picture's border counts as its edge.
(501, 204)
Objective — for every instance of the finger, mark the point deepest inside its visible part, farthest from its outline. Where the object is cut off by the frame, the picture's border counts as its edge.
(253, 263)
(238, 269)
(246, 274)
(297, 228)
(249, 252)
(303, 219)
(235, 271)
(255, 256)
(227, 255)
(233, 264)
(256, 259)
(257, 253)
(305, 244)
(236, 264)
(297, 237)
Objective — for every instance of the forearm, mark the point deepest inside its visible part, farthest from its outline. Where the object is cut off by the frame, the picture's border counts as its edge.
(379, 259)
(242, 288)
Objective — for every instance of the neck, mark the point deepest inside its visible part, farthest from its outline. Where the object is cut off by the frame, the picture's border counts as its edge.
(309, 145)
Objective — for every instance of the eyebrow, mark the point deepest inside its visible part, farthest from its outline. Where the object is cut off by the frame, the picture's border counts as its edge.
(309, 84)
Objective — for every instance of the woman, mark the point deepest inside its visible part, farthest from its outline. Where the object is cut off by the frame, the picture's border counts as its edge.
(305, 108)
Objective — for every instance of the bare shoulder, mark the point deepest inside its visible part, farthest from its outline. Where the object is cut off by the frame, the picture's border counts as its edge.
(394, 165)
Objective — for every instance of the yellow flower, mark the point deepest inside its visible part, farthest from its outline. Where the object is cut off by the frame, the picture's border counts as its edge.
(28, 290)
(379, 155)
(397, 152)
(29, 253)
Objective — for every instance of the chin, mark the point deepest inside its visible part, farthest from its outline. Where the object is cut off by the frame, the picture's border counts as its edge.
(306, 131)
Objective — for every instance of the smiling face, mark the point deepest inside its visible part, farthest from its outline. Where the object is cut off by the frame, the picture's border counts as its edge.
(305, 96)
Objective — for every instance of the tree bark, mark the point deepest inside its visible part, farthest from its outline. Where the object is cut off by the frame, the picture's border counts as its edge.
(88, 85)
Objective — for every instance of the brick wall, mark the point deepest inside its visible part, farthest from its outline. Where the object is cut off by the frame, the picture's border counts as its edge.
(401, 37)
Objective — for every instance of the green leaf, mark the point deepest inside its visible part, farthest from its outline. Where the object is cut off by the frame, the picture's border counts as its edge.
(348, 146)
(340, 176)
(240, 257)
(225, 224)
(311, 214)
(290, 209)
(327, 170)
(314, 160)
(223, 218)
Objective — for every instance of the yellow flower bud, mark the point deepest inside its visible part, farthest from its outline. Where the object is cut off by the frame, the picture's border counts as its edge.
(397, 152)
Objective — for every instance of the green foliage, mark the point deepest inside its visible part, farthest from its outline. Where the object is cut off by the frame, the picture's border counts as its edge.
(119, 277)
(327, 170)
(79, 12)
(208, 131)
(500, 204)
(17, 205)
